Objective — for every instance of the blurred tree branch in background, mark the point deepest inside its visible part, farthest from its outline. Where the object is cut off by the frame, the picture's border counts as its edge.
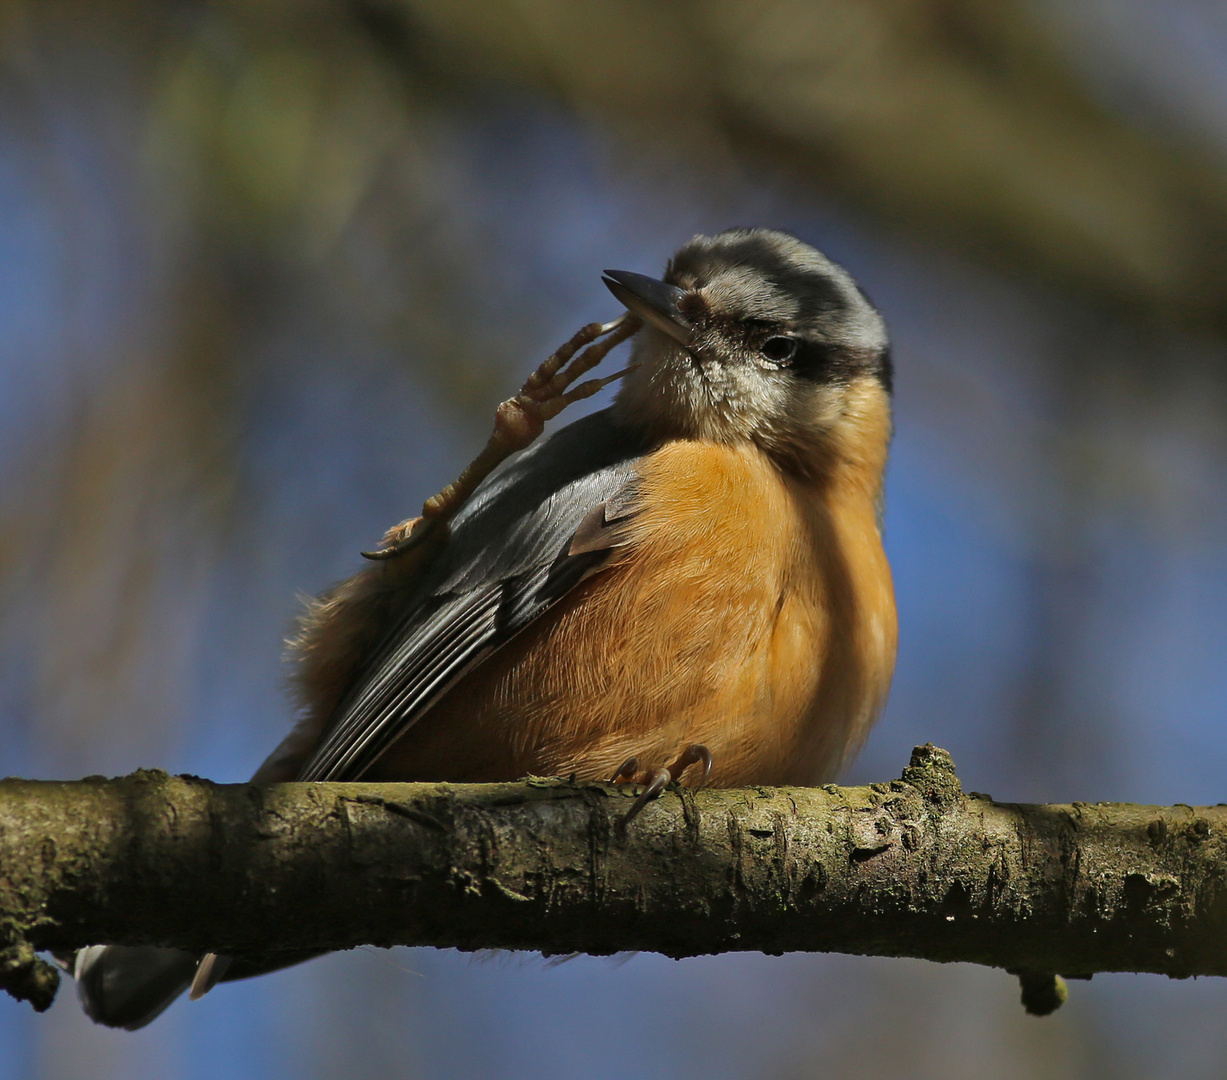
(957, 120)
(909, 868)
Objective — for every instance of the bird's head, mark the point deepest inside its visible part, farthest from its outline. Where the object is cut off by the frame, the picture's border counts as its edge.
(754, 335)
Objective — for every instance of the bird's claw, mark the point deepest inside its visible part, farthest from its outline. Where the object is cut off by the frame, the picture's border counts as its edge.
(518, 422)
(655, 780)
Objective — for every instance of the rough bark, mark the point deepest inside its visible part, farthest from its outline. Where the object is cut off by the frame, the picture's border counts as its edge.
(913, 867)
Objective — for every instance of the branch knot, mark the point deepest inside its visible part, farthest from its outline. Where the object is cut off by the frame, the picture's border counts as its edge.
(931, 771)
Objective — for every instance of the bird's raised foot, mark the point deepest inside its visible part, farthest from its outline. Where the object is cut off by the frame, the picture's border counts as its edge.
(518, 422)
(656, 779)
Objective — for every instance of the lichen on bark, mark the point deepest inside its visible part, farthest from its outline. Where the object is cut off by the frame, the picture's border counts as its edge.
(912, 867)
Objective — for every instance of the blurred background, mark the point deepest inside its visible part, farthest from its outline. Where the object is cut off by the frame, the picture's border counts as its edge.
(266, 268)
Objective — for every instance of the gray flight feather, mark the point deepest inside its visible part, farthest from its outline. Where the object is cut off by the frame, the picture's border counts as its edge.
(506, 562)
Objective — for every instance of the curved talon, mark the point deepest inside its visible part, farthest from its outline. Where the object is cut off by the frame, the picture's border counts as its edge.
(692, 755)
(547, 383)
(626, 771)
(380, 554)
(546, 372)
(420, 531)
(658, 780)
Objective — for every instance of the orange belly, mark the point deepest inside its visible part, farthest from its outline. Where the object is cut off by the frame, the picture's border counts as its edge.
(752, 612)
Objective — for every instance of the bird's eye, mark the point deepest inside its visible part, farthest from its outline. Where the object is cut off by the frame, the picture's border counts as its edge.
(780, 350)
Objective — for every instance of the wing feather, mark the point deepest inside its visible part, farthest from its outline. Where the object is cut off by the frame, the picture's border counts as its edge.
(510, 557)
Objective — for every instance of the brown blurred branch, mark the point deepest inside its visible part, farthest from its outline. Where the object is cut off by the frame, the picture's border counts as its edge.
(909, 868)
(955, 120)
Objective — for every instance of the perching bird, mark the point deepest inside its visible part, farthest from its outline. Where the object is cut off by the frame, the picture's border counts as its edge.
(694, 575)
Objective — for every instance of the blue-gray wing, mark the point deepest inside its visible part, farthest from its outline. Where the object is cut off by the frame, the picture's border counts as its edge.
(533, 530)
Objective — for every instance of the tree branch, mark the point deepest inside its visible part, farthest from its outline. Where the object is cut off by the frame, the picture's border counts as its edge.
(909, 868)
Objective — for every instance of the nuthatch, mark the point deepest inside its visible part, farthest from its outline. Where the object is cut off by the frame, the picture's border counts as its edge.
(693, 576)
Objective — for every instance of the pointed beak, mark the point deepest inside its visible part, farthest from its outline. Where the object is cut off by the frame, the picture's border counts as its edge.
(653, 301)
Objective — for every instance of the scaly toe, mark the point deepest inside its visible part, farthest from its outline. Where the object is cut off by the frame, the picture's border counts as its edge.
(658, 780)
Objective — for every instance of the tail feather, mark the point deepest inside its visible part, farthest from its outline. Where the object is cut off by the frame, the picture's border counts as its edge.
(127, 986)
(211, 971)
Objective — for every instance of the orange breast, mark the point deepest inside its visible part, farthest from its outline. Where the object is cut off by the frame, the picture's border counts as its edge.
(753, 613)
